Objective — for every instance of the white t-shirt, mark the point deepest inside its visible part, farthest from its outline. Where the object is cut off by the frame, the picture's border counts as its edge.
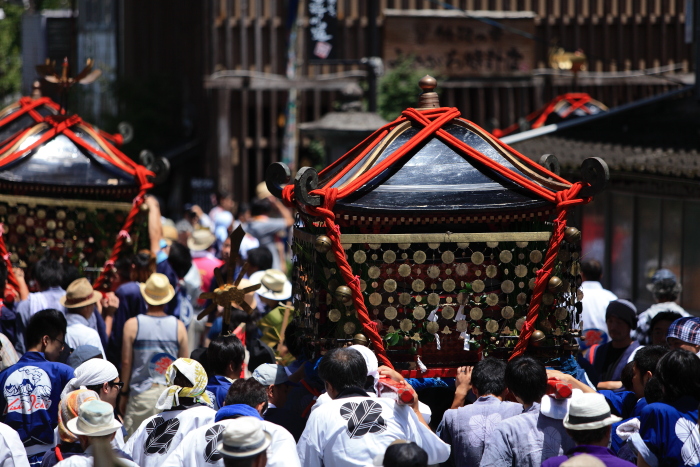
(352, 431)
(595, 303)
(160, 434)
(199, 447)
(12, 453)
(80, 333)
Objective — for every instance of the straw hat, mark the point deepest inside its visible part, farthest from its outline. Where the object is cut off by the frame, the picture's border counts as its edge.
(244, 437)
(79, 294)
(170, 233)
(95, 418)
(250, 296)
(261, 191)
(274, 284)
(201, 240)
(157, 289)
(589, 411)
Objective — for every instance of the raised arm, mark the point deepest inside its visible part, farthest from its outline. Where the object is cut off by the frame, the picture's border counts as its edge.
(283, 210)
(155, 229)
(184, 350)
(130, 330)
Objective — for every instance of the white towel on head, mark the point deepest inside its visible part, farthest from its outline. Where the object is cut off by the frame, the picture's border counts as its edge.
(371, 362)
(94, 371)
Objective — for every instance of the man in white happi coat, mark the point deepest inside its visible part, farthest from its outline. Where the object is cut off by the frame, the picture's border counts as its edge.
(185, 407)
(353, 428)
(12, 452)
(245, 398)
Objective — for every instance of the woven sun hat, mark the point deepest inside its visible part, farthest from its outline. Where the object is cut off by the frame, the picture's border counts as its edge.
(201, 240)
(261, 191)
(589, 411)
(274, 284)
(249, 297)
(170, 234)
(79, 294)
(244, 437)
(95, 418)
(157, 289)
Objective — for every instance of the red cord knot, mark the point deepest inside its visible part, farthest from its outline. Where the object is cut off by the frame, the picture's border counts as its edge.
(288, 194)
(356, 281)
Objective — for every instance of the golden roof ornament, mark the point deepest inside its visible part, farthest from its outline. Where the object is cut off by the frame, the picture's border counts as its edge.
(86, 76)
(429, 98)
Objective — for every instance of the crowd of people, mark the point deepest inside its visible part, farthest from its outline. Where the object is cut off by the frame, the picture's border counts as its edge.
(132, 377)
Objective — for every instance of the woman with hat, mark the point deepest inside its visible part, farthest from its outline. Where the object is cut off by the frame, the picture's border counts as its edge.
(274, 289)
(95, 422)
(80, 300)
(151, 343)
(588, 421)
(67, 443)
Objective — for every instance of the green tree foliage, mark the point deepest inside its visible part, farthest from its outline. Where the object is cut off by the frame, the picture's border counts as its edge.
(10, 49)
(398, 88)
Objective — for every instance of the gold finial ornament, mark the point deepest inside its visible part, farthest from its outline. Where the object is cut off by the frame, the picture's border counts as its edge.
(227, 291)
(429, 98)
(86, 76)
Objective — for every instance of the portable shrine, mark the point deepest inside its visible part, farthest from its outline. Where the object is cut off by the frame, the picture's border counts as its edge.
(65, 186)
(438, 244)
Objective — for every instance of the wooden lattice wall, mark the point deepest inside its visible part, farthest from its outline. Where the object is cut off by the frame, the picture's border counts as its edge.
(617, 35)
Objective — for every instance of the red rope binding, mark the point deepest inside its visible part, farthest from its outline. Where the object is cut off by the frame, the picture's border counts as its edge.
(333, 231)
(565, 200)
(141, 175)
(11, 278)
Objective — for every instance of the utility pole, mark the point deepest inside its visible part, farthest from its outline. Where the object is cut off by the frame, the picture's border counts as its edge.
(372, 13)
(696, 27)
